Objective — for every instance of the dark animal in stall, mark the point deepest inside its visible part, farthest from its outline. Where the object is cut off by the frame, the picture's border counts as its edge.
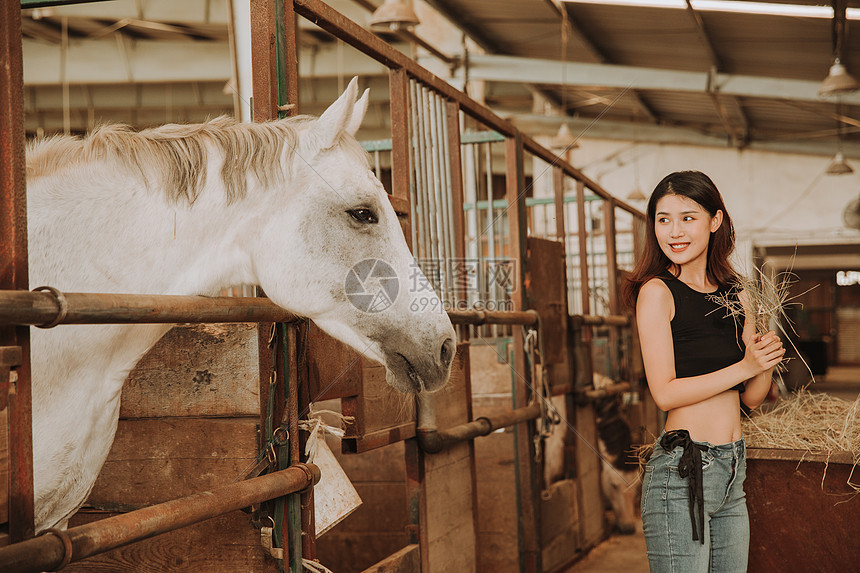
(619, 475)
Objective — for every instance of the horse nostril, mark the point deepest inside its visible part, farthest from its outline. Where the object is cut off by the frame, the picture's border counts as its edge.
(447, 354)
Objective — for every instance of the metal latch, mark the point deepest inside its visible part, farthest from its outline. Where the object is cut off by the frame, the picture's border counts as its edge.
(10, 358)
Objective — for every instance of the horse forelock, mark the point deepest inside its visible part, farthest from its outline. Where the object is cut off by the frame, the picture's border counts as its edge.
(176, 156)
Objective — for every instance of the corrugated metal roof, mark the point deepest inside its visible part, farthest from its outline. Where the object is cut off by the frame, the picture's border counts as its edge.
(743, 44)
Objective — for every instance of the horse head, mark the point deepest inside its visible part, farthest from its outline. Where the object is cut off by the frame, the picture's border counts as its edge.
(337, 255)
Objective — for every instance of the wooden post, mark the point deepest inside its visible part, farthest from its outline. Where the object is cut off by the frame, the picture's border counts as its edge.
(398, 86)
(611, 254)
(290, 63)
(558, 193)
(582, 234)
(612, 279)
(264, 62)
(14, 272)
(527, 491)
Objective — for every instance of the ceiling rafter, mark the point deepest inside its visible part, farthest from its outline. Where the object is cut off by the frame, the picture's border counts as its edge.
(601, 57)
(739, 136)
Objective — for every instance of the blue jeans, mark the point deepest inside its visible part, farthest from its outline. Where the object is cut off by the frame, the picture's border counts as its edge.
(666, 512)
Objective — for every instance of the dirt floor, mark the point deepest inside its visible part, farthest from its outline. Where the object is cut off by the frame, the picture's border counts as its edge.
(618, 553)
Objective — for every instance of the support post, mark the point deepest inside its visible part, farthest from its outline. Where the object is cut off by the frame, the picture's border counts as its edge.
(14, 271)
(527, 491)
(398, 86)
(582, 234)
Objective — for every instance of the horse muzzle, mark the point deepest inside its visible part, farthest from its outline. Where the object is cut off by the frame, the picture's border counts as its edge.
(419, 372)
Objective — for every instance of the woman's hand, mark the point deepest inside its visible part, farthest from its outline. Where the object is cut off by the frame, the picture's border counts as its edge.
(763, 352)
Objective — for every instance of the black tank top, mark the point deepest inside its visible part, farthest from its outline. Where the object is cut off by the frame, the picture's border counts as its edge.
(704, 337)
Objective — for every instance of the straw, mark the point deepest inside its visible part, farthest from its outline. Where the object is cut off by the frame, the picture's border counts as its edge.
(810, 422)
(768, 298)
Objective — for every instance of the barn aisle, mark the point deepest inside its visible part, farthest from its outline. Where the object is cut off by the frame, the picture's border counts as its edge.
(618, 553)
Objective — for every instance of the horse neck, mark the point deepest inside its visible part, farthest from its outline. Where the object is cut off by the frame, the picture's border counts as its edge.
(119, 237)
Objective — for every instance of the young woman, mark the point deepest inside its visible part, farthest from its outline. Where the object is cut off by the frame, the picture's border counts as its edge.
(701, 364)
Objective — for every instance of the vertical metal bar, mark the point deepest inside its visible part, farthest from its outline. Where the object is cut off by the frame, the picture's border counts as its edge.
(611, 277)
(436, 194)
(492, 287)
(14, 272)
(398, 87)
(293, 518)
(582, 233)
(264, 60)
(445, 192)
(440, 140)
(558, 195)
(289, 69)
(455, 169)
(611, 254)
(417, 175)
(638, 238)
(418, 154)
(435, 188)
(527, 491)
(430, 179)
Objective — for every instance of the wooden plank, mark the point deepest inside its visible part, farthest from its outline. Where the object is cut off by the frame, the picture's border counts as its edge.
(224, 544)
(378, 527)
(559, 524)
(838, 457)
(588, 478)
(407, 560)
(152, 461)
(449, 517)
(382, 414)
(196, 370)
(398, 86)
(452, 401)
(354, 552)
(546, 292)
(496, 493)
(334, 369)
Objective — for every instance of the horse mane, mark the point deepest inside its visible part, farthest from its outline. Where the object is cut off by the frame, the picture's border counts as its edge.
(175, 155)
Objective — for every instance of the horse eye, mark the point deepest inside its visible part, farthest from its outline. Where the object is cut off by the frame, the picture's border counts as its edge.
(363, 216)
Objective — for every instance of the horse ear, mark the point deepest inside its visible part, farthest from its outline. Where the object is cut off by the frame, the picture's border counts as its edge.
(336, 118)
(358, 111)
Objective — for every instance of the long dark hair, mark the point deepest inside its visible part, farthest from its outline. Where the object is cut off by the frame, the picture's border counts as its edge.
(698, 187)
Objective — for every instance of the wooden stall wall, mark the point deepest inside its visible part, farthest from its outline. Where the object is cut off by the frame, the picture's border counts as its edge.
(189, 422)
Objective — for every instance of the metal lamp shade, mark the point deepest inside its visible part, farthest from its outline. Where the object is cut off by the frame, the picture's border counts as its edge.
(394, 15)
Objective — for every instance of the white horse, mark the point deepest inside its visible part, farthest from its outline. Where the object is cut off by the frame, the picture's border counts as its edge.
(290, 205)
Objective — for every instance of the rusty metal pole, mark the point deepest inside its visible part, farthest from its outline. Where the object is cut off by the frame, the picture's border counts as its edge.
(53, 550)
(612, 279)
(14, 271)
(527, 488)
(582, 239)
(290, 54)
(398, 86)
(558, 195)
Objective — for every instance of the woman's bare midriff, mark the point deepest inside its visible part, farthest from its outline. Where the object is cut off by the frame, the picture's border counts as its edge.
(716, 420)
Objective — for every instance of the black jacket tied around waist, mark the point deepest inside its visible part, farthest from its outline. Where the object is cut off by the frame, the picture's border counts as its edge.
(690, 467)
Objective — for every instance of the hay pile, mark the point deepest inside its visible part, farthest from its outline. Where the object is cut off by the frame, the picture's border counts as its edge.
(811, 422)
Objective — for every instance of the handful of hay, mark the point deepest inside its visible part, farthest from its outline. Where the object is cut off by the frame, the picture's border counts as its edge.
(768, 296)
